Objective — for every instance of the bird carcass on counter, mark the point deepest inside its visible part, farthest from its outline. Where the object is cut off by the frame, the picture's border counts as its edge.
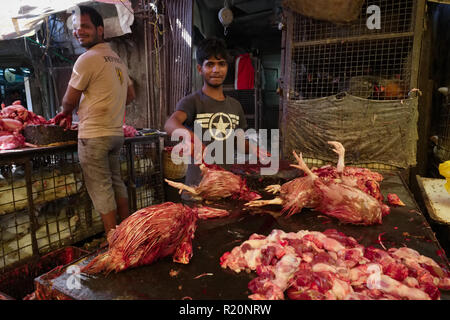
(349, 194)
(150, 234)
(217, 183)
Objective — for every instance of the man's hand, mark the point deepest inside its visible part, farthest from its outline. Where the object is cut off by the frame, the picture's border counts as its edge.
(63, 120)
(199, 154)
(262, 155)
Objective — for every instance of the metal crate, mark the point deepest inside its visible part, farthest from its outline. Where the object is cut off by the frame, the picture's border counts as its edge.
(44, 204)
(40, 196)
(143, 175)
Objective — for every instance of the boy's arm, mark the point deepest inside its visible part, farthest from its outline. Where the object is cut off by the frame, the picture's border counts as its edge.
(252, 148)
(175, 122)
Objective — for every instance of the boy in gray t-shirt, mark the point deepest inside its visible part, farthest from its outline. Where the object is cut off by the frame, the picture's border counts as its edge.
(209, 109)
(217, 120)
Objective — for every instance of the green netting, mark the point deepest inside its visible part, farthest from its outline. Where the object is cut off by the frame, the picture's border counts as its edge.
(372, 131)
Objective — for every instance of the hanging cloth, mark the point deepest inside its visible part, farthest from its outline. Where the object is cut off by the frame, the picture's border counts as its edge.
(244, 73)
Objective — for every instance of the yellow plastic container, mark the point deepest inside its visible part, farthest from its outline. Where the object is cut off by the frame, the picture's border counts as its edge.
(444, 170)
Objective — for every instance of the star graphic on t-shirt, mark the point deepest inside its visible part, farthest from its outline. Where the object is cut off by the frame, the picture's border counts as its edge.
(221, 126)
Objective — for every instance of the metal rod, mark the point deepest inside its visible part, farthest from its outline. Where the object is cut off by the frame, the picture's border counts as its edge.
(147, 85)
(151, 78)
(353, 39)
(33, 221)
(161, 73)
(418, 35)
(132, 157)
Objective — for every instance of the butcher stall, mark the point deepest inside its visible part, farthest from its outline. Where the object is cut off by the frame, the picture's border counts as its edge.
(44, 205)
(207, 276)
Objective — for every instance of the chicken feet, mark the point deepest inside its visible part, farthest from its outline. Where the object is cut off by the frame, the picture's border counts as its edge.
(182, 187)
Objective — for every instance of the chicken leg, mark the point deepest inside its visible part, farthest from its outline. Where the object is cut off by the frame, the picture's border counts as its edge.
(302, 165)
(262, 203)
(182, 187)
(274, 188)
(340, 150)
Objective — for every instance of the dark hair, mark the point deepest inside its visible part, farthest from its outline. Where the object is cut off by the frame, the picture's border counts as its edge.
(96, 18)
(212, 47)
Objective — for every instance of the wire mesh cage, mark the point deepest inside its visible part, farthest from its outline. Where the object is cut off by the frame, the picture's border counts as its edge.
(370, 63)
(396, 17)
(442, 151)
(39, 201)
(354, 83)
(44, 204)
(370, 69)
(144, 177)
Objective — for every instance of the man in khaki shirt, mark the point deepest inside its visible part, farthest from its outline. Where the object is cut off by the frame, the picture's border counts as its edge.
(100, 87)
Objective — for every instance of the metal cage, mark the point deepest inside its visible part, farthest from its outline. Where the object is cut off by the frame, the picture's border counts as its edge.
(144, 177)
(375, 64)
(442, 151)
(39, 203)
(44, 204)
(368, 63)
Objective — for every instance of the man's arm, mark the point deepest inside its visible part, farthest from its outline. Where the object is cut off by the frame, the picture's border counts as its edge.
(71, 100)
(175, 122)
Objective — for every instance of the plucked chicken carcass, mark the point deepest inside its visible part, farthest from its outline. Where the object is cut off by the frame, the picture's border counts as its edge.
(362, 178)
(217, 183)
(149, 234)
(10, 125)
(348, 204)
(300, 192)
(310, 265)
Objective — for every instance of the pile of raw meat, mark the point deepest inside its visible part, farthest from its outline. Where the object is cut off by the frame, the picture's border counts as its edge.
(150, 234)
(12, 120)
(129, 131)
(310, 265)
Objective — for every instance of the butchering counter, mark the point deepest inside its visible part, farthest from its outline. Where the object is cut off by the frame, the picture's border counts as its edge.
(203, 278)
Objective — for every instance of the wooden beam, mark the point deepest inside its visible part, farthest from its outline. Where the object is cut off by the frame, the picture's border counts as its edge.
(440, 1)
